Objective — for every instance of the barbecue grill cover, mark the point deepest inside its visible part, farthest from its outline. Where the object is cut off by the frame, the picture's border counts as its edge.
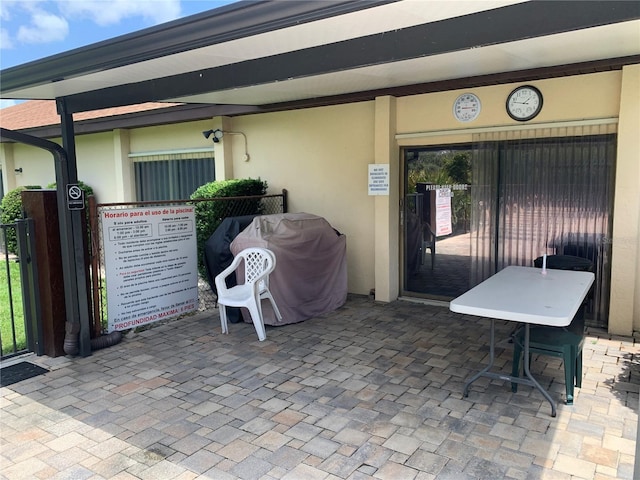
(310, 277)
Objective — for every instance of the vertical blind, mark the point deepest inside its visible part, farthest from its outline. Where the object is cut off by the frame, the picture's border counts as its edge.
(544, 191)
(172, 176)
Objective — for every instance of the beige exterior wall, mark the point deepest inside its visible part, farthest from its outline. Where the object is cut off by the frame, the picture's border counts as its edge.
(321, 157)
(95, 160)
(169, 137)
(37, 166)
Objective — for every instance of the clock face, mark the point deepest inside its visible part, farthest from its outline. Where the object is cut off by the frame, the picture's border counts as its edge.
(524, 103)
(466, 107)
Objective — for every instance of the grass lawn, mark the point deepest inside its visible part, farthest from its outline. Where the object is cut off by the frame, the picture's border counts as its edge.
(5, 308)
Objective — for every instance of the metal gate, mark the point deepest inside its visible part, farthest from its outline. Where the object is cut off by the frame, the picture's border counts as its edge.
(20, 305)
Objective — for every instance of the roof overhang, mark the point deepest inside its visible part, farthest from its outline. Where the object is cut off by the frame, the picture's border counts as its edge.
(257, 54)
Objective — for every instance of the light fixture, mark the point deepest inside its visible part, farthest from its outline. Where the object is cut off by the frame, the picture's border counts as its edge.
(217, 134)
(18, 170)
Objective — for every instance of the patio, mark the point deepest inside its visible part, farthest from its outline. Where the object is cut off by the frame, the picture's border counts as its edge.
(369, 391)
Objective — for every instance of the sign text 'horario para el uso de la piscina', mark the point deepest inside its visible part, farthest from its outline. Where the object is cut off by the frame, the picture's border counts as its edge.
(150, 264)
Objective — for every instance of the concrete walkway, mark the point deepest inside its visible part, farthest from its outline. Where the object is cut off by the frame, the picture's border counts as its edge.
(371, 391)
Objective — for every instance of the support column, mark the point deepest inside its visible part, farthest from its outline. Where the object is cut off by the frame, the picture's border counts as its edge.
(387, 207)
(72, 237)
(624, 312)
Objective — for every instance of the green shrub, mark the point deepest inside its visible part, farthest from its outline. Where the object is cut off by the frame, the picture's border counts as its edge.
(209, 215)
(10, 211)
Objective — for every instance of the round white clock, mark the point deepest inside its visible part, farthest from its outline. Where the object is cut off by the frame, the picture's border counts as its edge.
(524, 103)
(466, 107)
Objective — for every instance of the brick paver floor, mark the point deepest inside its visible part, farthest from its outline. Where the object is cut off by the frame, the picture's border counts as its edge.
(371, 391)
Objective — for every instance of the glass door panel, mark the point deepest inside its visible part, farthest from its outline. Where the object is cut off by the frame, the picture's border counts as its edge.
(436, 214)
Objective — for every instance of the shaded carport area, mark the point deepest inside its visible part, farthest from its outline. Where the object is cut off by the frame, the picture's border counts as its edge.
(252, 57)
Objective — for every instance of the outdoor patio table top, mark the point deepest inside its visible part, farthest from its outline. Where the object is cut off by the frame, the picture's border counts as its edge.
(530, 296)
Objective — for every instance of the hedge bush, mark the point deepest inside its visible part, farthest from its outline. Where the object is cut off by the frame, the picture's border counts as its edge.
(209, 215)
(10, 211)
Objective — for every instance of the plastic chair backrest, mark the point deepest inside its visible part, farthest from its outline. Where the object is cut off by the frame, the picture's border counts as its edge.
(257, 262)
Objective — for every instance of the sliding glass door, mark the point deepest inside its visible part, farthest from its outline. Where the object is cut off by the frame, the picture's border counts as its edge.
(519, 195)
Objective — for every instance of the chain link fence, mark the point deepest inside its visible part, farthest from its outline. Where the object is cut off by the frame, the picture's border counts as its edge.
(232, 207)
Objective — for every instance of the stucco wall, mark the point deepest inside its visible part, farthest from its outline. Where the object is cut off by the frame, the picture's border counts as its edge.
(564, 100)
(37, 166)
(95, 164)
(320, 156)
(169, 137)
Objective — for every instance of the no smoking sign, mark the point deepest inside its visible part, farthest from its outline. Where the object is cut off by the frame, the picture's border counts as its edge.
(75, 197)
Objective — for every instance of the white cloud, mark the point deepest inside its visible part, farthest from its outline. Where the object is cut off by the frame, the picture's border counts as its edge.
(5, 39)
(5, 9)
(114, 11)
(29, 22)
(44, 28)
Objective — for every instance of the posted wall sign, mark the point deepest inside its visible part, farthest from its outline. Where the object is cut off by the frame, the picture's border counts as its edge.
(75, 197)
(150, 264)
(379, 179)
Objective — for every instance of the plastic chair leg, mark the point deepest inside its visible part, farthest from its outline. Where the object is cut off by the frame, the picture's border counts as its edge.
(276, 310)
(256, 317)
(223, 318)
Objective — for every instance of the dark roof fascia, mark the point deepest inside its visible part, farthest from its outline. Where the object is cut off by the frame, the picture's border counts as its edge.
(501, 25)
(233, 21)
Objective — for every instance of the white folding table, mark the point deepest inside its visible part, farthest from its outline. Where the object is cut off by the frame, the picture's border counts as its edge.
(529, 296)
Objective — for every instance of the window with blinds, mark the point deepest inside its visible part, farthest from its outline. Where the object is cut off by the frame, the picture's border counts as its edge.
(172, 176)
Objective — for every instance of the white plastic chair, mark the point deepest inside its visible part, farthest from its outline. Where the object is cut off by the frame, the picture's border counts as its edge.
(258, 264)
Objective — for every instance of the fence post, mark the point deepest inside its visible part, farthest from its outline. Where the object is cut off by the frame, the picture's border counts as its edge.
(94, 253)
(30, 292)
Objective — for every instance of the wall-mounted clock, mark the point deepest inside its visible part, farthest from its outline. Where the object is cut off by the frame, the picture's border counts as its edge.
(524, 103)
(466, 107)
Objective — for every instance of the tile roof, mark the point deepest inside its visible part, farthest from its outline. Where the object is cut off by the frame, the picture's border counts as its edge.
(40, 113)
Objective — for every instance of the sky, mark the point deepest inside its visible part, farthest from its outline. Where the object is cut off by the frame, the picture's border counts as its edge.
(35, 29)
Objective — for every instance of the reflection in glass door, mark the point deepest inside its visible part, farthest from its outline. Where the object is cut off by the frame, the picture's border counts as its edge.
(436, 214)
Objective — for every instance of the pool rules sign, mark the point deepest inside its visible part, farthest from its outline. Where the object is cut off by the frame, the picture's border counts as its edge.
(150, 264)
